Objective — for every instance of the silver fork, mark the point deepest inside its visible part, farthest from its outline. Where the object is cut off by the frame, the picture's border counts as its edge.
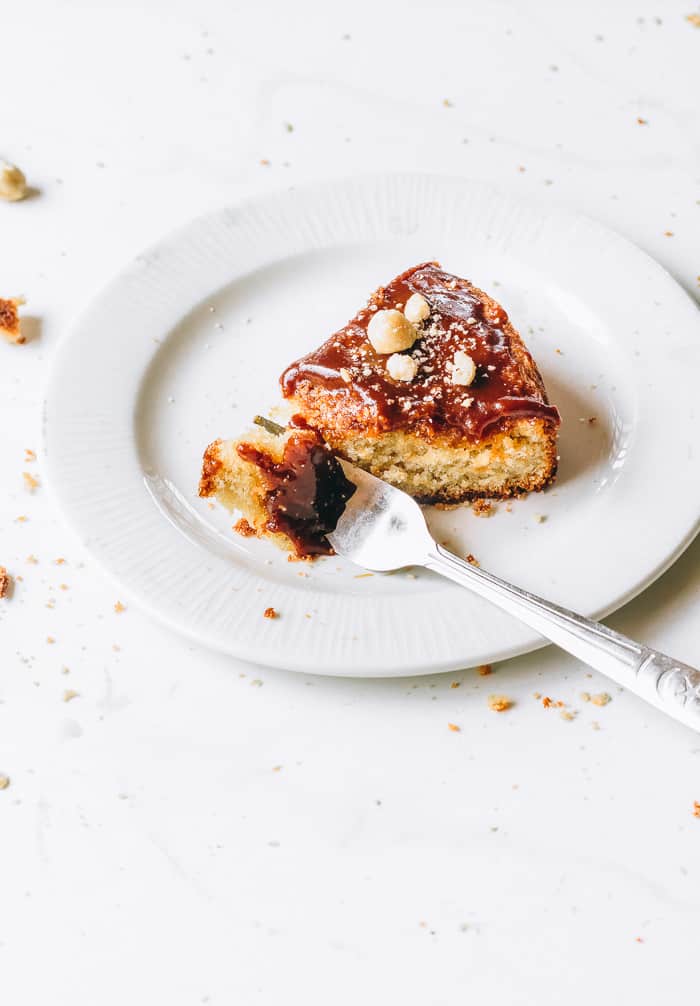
(383, 528)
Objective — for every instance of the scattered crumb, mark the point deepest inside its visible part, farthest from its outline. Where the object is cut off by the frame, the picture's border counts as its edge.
(455, 684)
(454, 728)
(601, 699)
(264, 162)
(63, 586)
(70, 694)
(484, 669)
(29, 454)
(482, 508)
(693, 19)
(559, 352)
(22, 519)
(5, 582)
(289, 127)
(4, 781)
(447, 103)
(243, 528)
(361, 576)
(537, 695)
(592, 420)
(50, 639)
(668, 234)
(13, 184)
(567, 715)
(30, 482)
(638, 939)
(472, 560)
(547, 702)
(276, 768)
(32, 560)
(10, 324)
(585, 696)
(540, 518)
(270, 613)
(696, 808)
(642, 122)
(499, 703)
(60, 561)
(521, 168)
(595, 725)
(119, 607)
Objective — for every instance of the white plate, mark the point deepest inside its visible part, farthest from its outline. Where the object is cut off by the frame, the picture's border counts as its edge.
(187, 345)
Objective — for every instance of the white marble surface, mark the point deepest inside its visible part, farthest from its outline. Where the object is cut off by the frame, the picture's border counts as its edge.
(151, 851)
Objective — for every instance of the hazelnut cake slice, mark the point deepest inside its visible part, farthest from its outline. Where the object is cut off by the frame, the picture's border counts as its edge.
(286, 483)
(431, 388)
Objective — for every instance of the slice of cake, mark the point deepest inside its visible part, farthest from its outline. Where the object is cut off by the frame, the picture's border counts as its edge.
(286, 483)
(431, 388)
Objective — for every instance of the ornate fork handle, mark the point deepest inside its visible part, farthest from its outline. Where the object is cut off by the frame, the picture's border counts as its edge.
(669, 684)
(664, 682)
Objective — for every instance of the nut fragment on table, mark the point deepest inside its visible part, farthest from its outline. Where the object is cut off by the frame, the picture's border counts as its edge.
(13, 184)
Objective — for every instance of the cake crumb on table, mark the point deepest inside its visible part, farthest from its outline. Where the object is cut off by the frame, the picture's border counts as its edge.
(601, 699)
(4, 781)
(5, 582)
(119, 607)
(69, 694)
(472, 560)
(10, 323)
(270, 613)
(484, 669)
(696, 808)
(499, 703)
(454, 728)
(30, 482)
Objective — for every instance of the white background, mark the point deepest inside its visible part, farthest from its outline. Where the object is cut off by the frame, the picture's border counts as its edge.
(150, 851)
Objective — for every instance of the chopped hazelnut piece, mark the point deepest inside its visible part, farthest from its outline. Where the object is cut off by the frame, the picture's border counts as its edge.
(390, 332)
(401, 368)
(463, 368)
(417, 308)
